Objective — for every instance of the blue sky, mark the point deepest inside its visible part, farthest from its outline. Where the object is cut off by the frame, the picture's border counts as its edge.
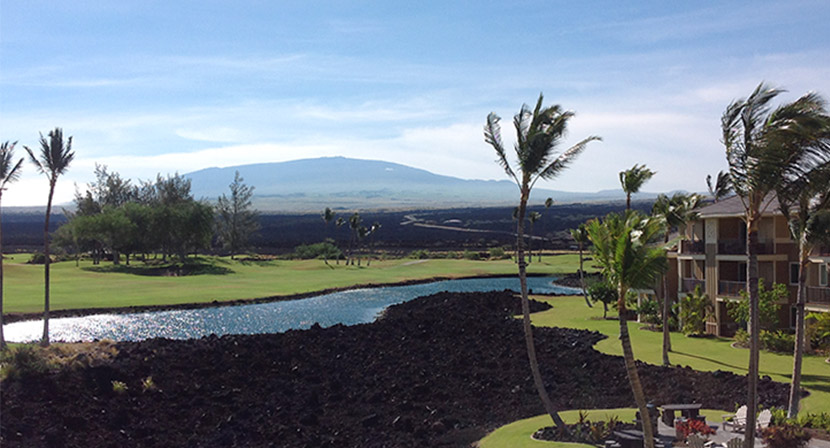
(147, 87)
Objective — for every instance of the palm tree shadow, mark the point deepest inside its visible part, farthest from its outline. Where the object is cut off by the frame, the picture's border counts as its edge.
(712, 360)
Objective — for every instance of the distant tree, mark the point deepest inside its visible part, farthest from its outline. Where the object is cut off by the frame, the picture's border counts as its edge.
(236, 221)
(604, 293)
(354, 225)
(580, 235)
(539, 132)
(328, 217)
(532, 217)
(54, 159)
(372, 231)
(632, 180)
(722, 186)
(624, 249)
(339, 223)
(9, 172)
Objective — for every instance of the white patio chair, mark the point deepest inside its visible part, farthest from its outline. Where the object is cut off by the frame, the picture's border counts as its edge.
(735, 443)
(764, 419)
(737, 420)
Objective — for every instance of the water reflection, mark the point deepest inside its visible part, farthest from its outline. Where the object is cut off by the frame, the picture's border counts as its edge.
(348, 308)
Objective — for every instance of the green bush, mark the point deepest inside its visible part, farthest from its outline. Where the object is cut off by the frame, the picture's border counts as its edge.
(471, 255)
(420, 254)
(695, 308)
(317, 250)
(742, 337)
(497, 253)
(777, 341)
(649, 311)
(767, 304)
(785, 436)
(815, 421)
(818, 331)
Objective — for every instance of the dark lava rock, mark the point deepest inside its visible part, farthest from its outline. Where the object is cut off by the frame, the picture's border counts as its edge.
(438, 371)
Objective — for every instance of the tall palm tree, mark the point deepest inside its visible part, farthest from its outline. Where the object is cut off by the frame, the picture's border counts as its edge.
(624, 248)
(339, 223)
(538, 132)
(328, 217)
(372, 231)
(675, 212)
(762, 146)
(722, 186)
(354, 225)
(632, 180)
(580, 235)
(9, 172)
(54, 159)
(805, 203)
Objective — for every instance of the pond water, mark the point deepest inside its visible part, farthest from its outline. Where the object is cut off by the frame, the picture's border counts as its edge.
(347, 307)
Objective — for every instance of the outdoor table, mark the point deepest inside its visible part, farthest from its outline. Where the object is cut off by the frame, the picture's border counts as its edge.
(690, 411)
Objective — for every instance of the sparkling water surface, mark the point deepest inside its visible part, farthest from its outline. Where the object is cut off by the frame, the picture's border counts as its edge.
(348, 307)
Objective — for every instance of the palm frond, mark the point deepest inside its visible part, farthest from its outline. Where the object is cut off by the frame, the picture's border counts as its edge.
(565, 159)
(492, 135)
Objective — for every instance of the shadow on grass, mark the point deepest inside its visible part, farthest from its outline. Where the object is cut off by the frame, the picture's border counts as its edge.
(712, 360)
(172, 270)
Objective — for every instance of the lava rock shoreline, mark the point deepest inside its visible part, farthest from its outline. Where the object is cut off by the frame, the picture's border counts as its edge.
(438, 371)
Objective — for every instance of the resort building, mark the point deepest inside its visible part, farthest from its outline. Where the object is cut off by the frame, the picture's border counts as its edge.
(713, 255)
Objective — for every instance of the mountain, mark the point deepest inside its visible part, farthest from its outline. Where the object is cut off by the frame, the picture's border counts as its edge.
(344, 183)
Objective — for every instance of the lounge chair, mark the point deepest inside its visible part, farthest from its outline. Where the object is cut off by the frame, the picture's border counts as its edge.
(737, 442)
(764, 419)
(737, 420)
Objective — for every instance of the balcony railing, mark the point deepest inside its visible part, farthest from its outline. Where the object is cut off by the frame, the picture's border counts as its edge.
(730, 288)
(689, 284)
(738, 247)
(692, 247)
(818, 294)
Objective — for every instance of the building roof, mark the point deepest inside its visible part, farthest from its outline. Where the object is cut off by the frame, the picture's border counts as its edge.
(733, 207)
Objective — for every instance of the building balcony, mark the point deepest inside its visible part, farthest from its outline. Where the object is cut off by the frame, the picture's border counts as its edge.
(730, 288)
(818, 294)
(738, 247)
(692, 247)
(689, 284)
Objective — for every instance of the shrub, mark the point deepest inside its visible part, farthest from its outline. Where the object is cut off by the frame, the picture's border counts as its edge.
(694, 426)
(649, 311)
(815, 421)
(742, 337)
(317, 250)
(785, 436)
(147, 384)
(420, 254)
(23, 362)
(695, 308)
(777, 341)
(471, 255)
(119, 387)
(818, 331)
(767, 303)
(497, 253)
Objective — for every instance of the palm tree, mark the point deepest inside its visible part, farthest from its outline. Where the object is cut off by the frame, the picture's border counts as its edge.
(532, 217)
(54, 160)
(339, 223)
(632, 180)
(538, 131)
(9, 172)
(722, 186)
(354, 225)
(805, 203)
(580, 235)
(328, 216)
(624, 249)
(763, 146)
(372, 231)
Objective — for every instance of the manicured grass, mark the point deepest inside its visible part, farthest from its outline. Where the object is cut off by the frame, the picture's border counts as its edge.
(706, 354)
(517, 434)
(78, 287)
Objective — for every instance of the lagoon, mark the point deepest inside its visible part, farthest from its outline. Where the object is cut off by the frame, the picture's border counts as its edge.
(350, 307)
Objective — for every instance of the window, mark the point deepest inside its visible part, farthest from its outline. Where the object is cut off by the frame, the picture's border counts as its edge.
(823, 273)
(742, 272)
(793, 273)
(793, 316)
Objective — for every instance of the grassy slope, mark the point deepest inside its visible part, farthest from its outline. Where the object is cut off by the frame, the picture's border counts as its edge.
(74, 287)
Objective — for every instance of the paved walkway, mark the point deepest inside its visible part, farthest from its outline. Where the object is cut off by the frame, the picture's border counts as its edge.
(723, 436)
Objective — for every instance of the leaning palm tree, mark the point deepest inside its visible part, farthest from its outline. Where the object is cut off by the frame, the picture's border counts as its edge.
(580, 235)
(55, 157)
(625, 251)
(538, 132)
(632, 180)
(722, 186)
(328, 217)
(9, 172)
(805, 203)
(762, 146)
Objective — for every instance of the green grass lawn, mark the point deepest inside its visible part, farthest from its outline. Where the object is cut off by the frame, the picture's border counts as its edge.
(78, 287)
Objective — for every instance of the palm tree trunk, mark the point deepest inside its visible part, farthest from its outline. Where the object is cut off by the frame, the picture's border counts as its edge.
(633, 375)
(666, 313)
(46, 261)
(582, 278)
(754, 330)
(528, 329)
(2, 337)
(798, 350)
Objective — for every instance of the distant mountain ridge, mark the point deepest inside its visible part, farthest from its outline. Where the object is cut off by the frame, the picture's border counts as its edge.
(345, 183)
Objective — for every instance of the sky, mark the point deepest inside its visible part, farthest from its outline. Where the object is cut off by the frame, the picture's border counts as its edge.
(148, 87)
